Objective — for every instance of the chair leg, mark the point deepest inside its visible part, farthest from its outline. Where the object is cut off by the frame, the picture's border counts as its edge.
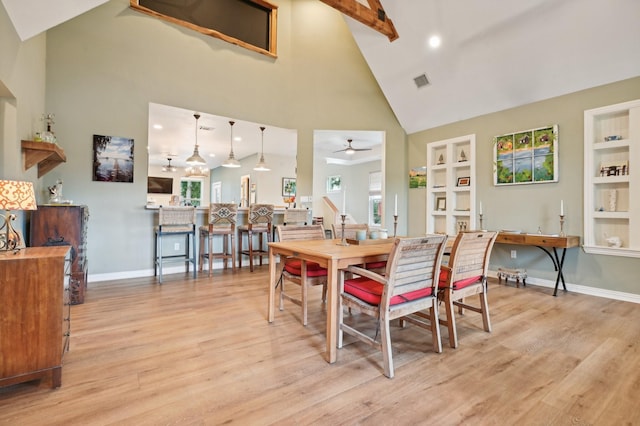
(233, 251)
(250, 236)
(385, 340)
(435, 327)
(201, 251)
(486, 321)
(225, 250)
(210, 254)
(159, 244)
(305, 291)
(192, 254)
(451, 320)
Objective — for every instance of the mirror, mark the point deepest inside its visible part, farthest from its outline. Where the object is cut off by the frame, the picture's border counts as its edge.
(351, 172)
(172, 139)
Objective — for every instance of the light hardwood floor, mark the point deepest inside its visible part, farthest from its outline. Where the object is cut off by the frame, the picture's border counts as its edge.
(200, 352)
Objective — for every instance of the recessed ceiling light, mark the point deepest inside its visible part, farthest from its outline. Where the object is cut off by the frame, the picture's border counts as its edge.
(157, 126)
(435, 41)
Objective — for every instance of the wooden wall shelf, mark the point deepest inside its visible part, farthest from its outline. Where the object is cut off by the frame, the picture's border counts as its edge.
(45, 154)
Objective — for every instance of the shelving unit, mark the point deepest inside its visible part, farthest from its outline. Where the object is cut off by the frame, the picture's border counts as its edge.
(45, 154)
(448, 162)
(612, 159)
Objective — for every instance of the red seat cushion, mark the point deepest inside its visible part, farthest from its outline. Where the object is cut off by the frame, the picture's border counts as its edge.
(444, 276)
(371, 291)
(376, 265)
(294, 267)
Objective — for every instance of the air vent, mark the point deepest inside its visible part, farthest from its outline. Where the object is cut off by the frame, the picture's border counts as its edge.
(421, 81)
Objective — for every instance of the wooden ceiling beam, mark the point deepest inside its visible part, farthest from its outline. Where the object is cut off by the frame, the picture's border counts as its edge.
(374, 16)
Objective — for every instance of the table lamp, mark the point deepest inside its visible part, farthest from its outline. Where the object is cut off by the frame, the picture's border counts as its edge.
(14, 195)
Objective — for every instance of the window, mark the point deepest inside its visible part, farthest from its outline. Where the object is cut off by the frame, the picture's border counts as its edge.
(375, 198)
(191, 191)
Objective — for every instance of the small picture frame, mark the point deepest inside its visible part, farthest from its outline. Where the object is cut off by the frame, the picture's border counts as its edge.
(464, 181)
(334, 184)
(441, 203)
(288, 187)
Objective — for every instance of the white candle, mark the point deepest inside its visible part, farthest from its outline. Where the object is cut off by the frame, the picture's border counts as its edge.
(344, 201)
(395, 210)
(561, 207)
(480, 207)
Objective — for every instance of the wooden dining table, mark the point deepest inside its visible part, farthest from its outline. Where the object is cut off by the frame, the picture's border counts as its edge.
(333, 256)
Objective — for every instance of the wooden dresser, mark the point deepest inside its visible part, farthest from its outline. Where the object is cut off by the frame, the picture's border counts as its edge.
(53, 225)
(35, 316)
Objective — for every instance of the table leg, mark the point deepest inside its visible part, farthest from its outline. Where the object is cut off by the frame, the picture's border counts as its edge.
(272, 283)
(559, 262)
(332, 312)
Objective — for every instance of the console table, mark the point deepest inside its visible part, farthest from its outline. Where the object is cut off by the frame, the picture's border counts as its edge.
(544, 243)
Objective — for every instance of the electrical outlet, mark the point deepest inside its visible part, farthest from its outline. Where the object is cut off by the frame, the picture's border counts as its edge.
(176, 247)
(514, 254)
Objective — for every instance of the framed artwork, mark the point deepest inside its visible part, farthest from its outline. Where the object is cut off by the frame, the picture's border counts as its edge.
(334, 184)
(464, 181)
(441, 203)
(288, 186)
(529, 156)
(112, 159)
(418, 177)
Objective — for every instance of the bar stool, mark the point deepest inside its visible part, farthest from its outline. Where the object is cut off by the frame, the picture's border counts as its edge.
(175, 221)
(260, 222)
(222, 221)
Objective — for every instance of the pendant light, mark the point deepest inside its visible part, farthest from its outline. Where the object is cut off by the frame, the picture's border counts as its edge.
(262, 165)
(196, 159)
(169, 168)
(231, 161)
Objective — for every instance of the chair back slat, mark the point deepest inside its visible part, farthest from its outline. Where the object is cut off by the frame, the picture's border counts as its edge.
(176, 216)
(300, 232)
(470, 254)
(349, 229)
(222, 215)
(296, 216)
(413, 264)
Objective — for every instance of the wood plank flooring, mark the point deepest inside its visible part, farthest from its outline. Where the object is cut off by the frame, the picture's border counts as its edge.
(200, 352)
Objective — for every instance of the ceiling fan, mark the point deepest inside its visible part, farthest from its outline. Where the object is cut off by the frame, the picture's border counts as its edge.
(351, 150)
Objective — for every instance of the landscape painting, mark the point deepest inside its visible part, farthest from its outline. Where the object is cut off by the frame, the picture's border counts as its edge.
(112, 159)
(524, 157)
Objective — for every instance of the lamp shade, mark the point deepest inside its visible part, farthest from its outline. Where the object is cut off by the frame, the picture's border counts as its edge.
(17, 195)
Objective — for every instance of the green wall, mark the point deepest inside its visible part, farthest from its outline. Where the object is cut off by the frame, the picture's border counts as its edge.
(104, 67)
(526, 207)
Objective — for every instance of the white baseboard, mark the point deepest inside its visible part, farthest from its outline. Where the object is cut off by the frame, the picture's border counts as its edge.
(166, 270)
(576, 288)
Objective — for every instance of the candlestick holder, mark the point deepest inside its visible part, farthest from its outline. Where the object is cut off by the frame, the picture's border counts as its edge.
(562, 234)
(343, 242)
(395, 225)
(481, 227)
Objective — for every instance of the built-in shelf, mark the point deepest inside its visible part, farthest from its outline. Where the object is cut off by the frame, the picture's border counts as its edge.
(44, 154)
(451, 208)
(611, 180)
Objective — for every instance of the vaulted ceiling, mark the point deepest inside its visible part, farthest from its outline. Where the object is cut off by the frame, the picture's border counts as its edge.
(494, 55)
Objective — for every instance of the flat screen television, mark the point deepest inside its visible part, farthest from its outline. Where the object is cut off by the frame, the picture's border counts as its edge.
(159, 185)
